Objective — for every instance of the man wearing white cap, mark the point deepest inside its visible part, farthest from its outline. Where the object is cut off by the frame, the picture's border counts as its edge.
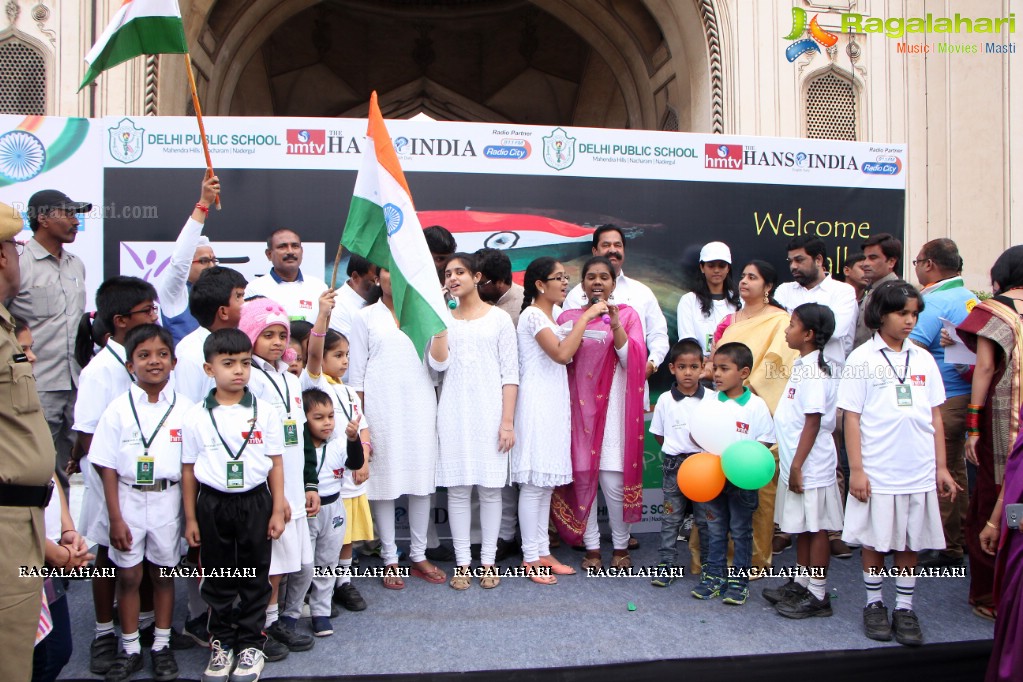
(713, 297)
(192, 254)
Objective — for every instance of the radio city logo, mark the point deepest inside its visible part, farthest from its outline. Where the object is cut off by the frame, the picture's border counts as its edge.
(306, 142)
(817, 36)
(722, 156)
(514, 148)
(883, 165)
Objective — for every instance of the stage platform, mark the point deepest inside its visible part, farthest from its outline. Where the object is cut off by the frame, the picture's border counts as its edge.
(581, 629)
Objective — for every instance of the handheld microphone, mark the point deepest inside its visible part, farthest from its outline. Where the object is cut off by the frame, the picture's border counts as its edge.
(452, 304)
(605, 318)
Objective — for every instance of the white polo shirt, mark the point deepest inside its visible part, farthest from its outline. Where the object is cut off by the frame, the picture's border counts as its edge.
(330, 464)
(299, 298)
(190, 379)
(897, 440)
(692, 323)
(838, 296)
(347, 303)
(809, 391)
(346, 402)
(103, 379)
(744, 418)
(276, 387)
(673, 416)
(118, 441)
(202, 445)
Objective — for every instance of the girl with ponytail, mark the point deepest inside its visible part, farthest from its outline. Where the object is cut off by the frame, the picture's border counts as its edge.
(809, 503)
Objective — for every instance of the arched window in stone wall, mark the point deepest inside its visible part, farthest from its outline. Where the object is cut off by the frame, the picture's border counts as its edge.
(831, 108)
(22, 79)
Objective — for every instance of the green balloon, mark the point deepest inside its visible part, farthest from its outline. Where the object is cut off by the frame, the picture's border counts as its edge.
(748, 464)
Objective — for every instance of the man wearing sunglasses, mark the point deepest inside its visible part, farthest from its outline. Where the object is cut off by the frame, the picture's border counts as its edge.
(192, 254)
(51, 300)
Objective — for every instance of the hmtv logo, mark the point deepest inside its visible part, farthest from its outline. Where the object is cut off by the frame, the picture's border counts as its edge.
(818, 36)
(306, 142)
(722, 156)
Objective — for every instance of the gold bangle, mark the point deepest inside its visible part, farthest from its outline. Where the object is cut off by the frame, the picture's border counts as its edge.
(991, 525)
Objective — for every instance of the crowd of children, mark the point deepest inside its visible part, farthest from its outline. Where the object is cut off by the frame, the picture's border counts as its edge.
(244, 444)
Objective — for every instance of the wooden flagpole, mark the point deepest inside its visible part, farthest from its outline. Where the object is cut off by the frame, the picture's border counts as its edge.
(198, 118)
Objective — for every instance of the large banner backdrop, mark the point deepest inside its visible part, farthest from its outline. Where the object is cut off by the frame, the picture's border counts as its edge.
(530, 190)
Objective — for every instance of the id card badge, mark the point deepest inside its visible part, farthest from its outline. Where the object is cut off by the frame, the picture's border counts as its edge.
(144, 466)
(903, 395)
(290, 432)
(235, 475)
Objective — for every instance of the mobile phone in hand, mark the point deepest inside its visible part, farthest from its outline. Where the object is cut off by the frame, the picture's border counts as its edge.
(1013, 515)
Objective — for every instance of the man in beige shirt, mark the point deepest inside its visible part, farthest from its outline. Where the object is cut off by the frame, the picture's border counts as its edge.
(51, 299)
(26, 469)
(497, 286)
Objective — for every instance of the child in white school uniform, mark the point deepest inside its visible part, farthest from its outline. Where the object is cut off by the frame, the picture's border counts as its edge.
(327, 362)
(809, 502)
(137, 450)
(232, 487)
(332, 454)
(266, 324)
(890, 391)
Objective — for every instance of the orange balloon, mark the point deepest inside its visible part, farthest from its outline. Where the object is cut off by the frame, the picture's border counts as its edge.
(700, 477)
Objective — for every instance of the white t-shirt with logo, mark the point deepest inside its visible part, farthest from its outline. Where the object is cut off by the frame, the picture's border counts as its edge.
(744, 418)
(897, 441)
(281, 392)
(809, 391)
(299, 298)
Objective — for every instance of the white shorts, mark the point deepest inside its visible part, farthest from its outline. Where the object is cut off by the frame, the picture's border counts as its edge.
(293, 549)
(810, 511)
(92, 520)
(910, 521)
(155, 521)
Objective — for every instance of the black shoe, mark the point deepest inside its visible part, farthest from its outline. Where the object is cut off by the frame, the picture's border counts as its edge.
(939, 560)
(441, 552)
(147, 635)
(195, 630)
(875, 622)
(274, 650)
(286, 634)
(805, 606)
(906, 627)
(335, 610)
(180, 641)
(123, 667)
(165, 668)
(102, 653)
(790, 590)
(507, 548)
(348, 596)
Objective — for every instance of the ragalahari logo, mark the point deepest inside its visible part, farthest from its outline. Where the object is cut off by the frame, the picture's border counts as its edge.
(817, 36)
(126, 141)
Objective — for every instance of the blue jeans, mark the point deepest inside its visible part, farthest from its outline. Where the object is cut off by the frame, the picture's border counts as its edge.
(674, 509)
(731, 512)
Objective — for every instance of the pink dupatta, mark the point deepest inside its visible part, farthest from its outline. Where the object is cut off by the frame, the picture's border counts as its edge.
(589, 385)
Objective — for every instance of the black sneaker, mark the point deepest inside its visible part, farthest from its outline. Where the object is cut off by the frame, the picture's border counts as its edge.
(195, 630)
(507, 548)
(663, 577)
(441, 552)
(124, 666)
(180, 641)
(789, 590)
(274, 650)
(165, 668)
(804, 606)
(285, 633)
(906, 627)
(348, 596)
(102, 653)
(875, 622)
(939, 560)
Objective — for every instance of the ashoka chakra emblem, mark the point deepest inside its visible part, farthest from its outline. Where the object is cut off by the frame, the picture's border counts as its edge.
(393, 218)
(22, 156)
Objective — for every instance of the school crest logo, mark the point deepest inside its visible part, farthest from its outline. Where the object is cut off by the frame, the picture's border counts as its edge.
(559, 150)
(126, 141)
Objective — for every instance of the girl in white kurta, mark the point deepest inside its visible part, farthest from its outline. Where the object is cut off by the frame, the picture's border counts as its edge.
(541, 459)
(475, 417)
(399, 398)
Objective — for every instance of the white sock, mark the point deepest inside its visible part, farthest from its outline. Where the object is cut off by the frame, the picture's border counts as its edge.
(873, 585)
(146, 618)
(104, 629)
(130, 642)
(271, 615)
(904, 591)
(343, 579)
(818, 587)
(161, 640)
(802, 575)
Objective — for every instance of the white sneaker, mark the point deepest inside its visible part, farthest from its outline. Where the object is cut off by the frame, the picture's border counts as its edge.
(250, 665)
(221, 661)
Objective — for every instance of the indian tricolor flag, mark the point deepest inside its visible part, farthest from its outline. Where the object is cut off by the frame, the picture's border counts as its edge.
(139, 27)
(383, 227)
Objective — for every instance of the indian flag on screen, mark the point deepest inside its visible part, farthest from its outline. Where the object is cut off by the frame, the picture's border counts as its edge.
(383, 227)
(138, 27)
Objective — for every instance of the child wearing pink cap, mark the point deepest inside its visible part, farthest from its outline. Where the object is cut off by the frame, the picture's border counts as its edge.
(267, 325)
